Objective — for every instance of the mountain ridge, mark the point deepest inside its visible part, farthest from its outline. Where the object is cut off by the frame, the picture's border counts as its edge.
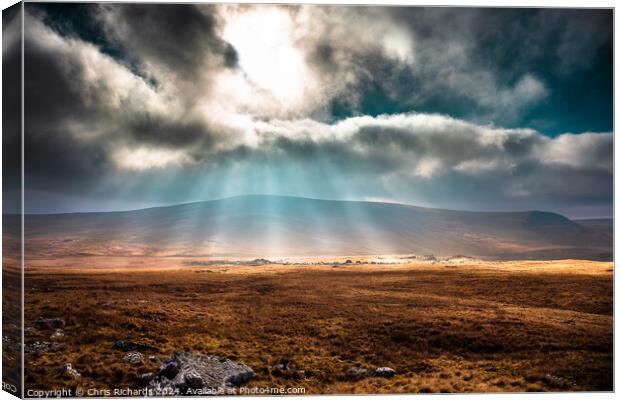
(258, 196)
(264, 225)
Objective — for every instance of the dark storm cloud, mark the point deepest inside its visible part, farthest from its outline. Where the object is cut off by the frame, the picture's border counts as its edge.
(569, 50)
(81, 104)
(55, 99)
(515, 41)
(435, 69)
(179, 38)
(150, 129)
(511, 67)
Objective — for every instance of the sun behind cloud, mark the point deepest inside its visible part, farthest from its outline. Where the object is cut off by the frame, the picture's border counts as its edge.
(267, 55)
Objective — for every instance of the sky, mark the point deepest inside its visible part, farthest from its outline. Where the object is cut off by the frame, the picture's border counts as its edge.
(135, 105)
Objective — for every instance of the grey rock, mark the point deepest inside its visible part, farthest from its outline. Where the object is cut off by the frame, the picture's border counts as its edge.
(144, 379)
(49, 323)
(169, 370)
(57, 346)
(11, 344)
(68, 371)
(557, 381)
(185, 371)
(42, 347)
(287, 369)
(194, 380)
(356, 373)
(280, 370)
(58, 334)
(134, 357)
(385, 372)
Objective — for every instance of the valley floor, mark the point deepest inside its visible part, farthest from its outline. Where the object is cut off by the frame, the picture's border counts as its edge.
(457, 325)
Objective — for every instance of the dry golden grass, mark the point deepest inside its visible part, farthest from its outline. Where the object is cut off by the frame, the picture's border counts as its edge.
(457, 326)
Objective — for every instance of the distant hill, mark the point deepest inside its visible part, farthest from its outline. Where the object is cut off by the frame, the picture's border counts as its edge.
(267, 226)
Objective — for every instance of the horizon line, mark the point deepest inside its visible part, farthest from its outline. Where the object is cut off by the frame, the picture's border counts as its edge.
(303, 198)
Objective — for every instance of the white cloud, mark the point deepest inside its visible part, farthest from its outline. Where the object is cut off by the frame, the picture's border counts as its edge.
(481, 166)
(432, 144)
(145, 158)
(427, 167)
(585, 150)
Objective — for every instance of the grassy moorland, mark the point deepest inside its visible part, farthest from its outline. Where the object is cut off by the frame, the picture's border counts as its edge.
(443, 326)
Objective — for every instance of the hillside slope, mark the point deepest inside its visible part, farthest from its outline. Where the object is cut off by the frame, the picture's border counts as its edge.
(265, 226)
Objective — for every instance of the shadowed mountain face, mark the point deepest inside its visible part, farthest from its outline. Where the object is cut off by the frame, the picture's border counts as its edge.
(267, 226)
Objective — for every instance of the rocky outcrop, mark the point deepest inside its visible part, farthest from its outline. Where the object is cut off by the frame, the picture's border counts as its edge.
(133, 357)
(68, 371)
(384, 372)
(288, 369)
(58, 335)
(187, 373)
(42, 347)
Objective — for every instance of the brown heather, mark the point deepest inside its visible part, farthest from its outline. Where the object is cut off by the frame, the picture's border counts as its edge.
(466, 326)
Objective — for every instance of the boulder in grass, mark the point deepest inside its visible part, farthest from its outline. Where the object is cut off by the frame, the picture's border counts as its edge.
(288, 369)
(187, 373)
(384, 372)
(68, 371)
(42, 347)
(58, 334)
(134, 357)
